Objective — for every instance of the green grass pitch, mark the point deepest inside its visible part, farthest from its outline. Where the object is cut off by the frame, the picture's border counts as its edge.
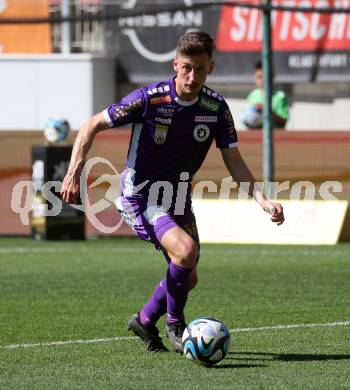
(69, 291)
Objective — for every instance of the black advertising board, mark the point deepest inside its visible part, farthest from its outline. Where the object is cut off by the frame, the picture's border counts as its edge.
(49, 165)
(306, 46)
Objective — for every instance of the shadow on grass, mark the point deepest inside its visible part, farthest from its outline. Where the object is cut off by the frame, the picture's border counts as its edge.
(285, 357)
(236, 366)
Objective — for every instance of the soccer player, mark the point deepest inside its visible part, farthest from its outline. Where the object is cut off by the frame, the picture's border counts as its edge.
(252, 116)
(174, 124)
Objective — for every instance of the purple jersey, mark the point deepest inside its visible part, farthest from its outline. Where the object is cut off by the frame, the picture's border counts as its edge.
(169, 135)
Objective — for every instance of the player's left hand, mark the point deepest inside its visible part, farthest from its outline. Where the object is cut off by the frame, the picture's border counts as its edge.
(276, 212)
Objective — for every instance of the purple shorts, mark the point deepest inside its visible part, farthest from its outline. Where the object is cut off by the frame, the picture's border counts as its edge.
(151, 222)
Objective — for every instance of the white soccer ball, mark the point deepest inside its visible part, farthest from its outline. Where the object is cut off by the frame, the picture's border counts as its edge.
(252, 118)
(206, 341)
(56, 130)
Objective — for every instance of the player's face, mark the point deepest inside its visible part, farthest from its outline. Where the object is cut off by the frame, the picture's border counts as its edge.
(192, 72)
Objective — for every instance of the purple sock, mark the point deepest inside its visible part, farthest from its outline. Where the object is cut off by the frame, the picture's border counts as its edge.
(156, 306)
(177, 280)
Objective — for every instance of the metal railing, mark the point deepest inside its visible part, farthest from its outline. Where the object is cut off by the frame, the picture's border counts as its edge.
(86, 36)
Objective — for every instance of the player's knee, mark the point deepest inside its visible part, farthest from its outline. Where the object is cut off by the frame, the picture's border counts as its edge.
(188, 253)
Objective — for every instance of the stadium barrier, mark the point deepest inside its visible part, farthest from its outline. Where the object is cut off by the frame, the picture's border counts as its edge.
(311, 157)
(316, 222)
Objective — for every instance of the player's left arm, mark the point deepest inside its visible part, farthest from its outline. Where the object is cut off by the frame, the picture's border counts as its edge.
(242, 174)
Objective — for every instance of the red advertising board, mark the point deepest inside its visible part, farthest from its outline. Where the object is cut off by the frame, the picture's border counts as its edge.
(240, 29)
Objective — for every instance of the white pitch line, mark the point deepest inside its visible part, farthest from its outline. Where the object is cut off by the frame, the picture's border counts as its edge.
(67, 342)
(206, 251)
(291, 326)
(123, 338)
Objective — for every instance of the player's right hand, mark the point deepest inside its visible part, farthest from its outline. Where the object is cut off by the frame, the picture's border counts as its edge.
(70, 189)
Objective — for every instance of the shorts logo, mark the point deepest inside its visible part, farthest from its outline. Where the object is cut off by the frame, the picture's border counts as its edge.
(127, 212)
(160, 99)
(209, 104)
(130, 219)
(160, 134)
(209, 118)
(201, 133)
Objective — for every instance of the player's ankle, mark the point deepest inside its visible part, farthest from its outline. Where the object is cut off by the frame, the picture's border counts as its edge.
(145, 321)
(175, 321)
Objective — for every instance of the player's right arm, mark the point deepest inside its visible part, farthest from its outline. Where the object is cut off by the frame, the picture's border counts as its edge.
(86, 135)
(129, 110)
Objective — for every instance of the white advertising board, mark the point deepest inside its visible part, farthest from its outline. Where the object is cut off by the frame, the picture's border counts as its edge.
(243, 221)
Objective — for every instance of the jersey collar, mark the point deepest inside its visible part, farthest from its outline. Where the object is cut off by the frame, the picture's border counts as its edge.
(179, 101)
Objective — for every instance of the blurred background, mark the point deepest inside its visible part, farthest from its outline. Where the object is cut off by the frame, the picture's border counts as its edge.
(71, 58)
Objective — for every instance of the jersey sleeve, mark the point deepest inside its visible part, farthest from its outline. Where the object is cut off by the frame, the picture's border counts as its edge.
(226, 135)
(130, 109)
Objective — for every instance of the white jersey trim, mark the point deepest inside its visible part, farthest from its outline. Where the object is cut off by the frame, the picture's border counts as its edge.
(212, 93)
(185, 102)
(134, 145)
(107, 118)
(233, 145)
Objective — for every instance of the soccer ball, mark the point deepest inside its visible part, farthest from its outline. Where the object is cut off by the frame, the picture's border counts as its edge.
(206, 341)
(56, 130)
(252, 118)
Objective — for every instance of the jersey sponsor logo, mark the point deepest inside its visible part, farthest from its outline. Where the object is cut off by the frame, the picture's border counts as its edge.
(139, 27)
(166, 111)
(160, 99)
(230, 122)
(201, 133)
(208, 118)
(122, 111)
(160, 134)
(164, 121)
(119, 113)
(209, 104)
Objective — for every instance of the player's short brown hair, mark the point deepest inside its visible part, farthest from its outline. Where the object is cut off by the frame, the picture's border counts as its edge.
(195, 43)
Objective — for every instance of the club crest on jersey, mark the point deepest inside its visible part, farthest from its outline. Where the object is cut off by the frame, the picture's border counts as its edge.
(201, 133)
(160, 134)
